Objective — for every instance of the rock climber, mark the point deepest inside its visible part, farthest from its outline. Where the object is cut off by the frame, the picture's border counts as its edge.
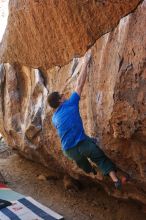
(76, 145)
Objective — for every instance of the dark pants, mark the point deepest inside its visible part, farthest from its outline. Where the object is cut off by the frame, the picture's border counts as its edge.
(88, 149)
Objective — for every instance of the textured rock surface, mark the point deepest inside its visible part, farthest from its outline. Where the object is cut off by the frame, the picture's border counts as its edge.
(47, 33)
(113, 105)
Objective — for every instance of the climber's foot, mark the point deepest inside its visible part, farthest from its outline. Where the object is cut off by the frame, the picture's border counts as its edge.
(118, 184)
(125, 179)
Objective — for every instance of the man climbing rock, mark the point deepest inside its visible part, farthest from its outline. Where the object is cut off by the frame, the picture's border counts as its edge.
(76, 145)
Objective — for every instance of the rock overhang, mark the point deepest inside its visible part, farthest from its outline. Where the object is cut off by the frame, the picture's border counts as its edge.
(50, 33)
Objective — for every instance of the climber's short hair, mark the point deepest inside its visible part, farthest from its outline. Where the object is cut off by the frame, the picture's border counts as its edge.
(54, 99)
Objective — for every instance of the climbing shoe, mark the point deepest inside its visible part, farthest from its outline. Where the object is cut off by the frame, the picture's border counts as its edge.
(125, 179)
(118, 184)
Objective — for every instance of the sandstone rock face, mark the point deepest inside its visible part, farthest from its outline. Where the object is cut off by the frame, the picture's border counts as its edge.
(48, 33)
(113, 104)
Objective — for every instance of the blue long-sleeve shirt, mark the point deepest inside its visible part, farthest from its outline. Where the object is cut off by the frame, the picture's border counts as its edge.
(68, 122)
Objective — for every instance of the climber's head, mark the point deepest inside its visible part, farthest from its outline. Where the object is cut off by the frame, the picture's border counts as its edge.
(55, 99)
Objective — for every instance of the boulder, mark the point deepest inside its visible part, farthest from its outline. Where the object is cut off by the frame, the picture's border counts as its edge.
(43, 33)
(113, 105)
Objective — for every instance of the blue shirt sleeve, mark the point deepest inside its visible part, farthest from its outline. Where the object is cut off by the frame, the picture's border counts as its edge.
(74, 98)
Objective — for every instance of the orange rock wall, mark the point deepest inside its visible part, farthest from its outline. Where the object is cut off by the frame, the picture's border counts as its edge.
(49, 33)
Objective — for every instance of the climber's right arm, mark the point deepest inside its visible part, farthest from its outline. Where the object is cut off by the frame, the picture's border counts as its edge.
(83, 74)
